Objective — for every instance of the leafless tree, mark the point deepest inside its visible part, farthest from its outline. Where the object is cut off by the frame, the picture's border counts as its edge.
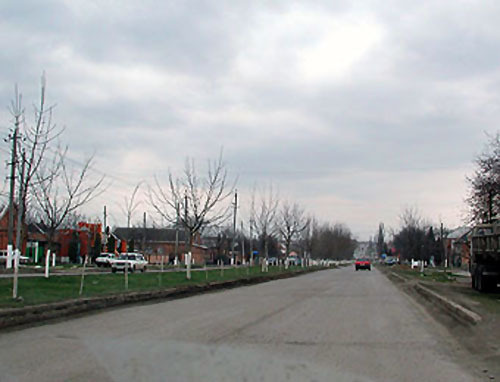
(130, 204)
(291, 223)
(484, 184)
(191, 201)
(34, 140)
(60, 190)
(265, 217)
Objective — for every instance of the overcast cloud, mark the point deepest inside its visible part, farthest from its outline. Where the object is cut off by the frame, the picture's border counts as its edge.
(354, 111)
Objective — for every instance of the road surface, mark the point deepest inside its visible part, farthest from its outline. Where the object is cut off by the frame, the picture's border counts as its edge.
(333, 325)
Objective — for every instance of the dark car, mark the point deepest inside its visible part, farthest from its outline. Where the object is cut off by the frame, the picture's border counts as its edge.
(363, 264)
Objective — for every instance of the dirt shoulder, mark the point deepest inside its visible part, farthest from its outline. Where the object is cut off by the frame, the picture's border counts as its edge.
(482, 340)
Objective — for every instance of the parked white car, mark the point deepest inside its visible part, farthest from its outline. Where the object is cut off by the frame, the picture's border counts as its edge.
(104, 259)
(132, 261)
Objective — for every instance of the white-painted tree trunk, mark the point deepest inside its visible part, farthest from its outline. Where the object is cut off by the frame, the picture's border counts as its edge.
(188, 269)
(8, 264)
(16, 268)
(47, 263)
(53, 259)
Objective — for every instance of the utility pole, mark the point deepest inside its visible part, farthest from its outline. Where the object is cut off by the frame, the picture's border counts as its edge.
(251, 242)
(105, 227)
(105, 218)
(13, 162)
(20, 211)
(20, 207)
(144, 234)
(176, 254)
(187, 256)
(443, 248)
(234, 225)
(186, 239)
(242, 244)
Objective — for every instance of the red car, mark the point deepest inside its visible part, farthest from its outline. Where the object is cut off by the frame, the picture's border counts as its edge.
(363, 264)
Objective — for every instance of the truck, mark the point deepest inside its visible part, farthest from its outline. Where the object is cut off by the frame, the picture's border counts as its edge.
(484, 265)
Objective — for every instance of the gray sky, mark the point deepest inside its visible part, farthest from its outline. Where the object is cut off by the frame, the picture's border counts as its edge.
(354, 111)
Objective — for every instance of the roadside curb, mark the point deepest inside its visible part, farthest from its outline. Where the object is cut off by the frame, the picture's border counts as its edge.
(398, 277)
(452, 307)
(456, 310)
(38, 313)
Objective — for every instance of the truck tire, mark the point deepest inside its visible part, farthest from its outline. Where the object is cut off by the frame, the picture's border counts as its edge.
(483, 283)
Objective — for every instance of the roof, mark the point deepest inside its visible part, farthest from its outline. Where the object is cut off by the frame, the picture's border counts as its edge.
(152, 234)
(458, 233)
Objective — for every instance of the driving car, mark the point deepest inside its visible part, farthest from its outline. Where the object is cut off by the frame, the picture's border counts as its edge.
(104, 259)
(363, 264)
(130, 261)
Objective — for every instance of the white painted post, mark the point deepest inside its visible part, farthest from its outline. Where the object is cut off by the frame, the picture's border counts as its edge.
(188, 263)
(8, 264)
(16, 267)
(47, 263)
(54, 259)
(286, 263)
(36, 252)
(176, 261)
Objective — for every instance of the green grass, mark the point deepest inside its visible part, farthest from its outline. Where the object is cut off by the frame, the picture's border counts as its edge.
(428, 275)
(38, 290)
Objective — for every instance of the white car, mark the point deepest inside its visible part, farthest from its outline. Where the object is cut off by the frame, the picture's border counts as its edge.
(104, 259)
(131, 261)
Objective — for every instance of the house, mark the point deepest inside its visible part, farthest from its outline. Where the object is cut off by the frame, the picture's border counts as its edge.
(158, 243)
(4, 228)
(457, 247)
(84, 236)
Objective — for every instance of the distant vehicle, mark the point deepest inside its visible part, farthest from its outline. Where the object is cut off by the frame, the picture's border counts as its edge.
(390, 260)
(363, 264)
(104, 259)
(484, 265)
(130, 261)
(294, 260)
(272, 261)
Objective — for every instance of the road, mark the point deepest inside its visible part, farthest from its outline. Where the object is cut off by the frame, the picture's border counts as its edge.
(333, 325)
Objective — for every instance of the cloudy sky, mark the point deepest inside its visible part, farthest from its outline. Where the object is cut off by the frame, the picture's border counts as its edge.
(355, 111)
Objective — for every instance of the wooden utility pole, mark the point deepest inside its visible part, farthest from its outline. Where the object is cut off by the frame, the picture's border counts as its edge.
(176, 250)
(251, 242)
(13, 163)
(20, 207)
(234, 226)
(144, 234)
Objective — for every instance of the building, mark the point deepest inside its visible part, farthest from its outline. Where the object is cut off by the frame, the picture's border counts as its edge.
(457, 248)
(158, 243)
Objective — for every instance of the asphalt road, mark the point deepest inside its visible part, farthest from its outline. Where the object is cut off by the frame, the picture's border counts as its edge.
(334, 325)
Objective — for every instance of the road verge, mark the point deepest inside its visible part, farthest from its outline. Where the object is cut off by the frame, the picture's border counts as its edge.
(444, 304)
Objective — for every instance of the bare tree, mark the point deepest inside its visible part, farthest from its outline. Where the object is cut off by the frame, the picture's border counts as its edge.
(292, 221)
(35, 141)
(60, 190)
(484, 184)
(130, 204)
(265, 217)
(193, 202)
